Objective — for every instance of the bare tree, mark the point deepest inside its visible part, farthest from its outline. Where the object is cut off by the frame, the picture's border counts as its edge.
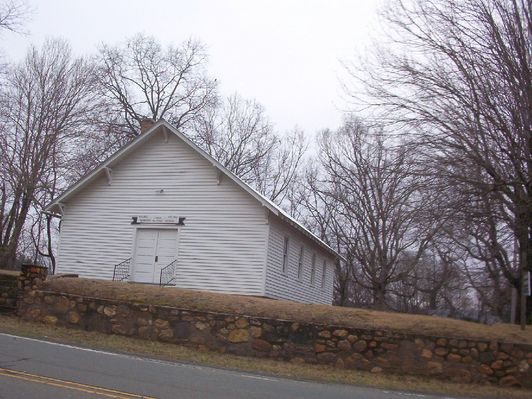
(479, 235)
(40, 225)
(13, 14)
(318, 211)
(381, 207)
(279, 175)
(141, 79)
(435, 286)
(458, 74)
(239, 135)
(44, 106)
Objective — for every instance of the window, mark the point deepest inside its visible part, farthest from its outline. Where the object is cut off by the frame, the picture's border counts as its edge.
(300, 264)
(313, 269)
(323, 274)
(285, 255)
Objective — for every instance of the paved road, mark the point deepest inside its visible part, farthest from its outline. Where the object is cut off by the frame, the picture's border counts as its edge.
(38, 369)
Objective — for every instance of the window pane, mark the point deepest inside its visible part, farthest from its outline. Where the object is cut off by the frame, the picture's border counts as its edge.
(300, 265)
(313, 269)
(323, 274)
(285, 255)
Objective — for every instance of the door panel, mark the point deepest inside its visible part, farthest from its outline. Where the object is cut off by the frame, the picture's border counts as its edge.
(145, 255)
(166, 250)
(154, 249)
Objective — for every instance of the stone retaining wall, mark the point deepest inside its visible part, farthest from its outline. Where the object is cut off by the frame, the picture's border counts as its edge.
(8, 291)
(461, 360)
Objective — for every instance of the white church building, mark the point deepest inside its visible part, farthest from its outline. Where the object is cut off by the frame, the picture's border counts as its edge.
(163, 211)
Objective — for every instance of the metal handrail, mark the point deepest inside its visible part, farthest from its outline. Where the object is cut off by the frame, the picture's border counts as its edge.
(121, 271)
(167, 274)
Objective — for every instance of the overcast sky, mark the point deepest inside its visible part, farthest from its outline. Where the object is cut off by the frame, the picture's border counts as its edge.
(285, 54)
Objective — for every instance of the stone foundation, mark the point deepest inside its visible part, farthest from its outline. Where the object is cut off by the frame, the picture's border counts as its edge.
(460, 360)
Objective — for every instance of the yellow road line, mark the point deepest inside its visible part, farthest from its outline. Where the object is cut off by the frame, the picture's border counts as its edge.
(110, 393)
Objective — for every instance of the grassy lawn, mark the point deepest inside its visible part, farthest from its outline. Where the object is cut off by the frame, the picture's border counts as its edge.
(171, 352)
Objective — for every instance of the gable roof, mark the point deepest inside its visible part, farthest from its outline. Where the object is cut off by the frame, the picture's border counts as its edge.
(167, 128)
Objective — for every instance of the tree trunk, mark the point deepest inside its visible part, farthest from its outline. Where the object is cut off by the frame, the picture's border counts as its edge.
(379, 297)
(49, 243)
(8, 253)
(525, 256)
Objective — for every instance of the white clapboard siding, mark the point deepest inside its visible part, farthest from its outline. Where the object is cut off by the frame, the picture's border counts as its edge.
(287, 285)
(221, 247)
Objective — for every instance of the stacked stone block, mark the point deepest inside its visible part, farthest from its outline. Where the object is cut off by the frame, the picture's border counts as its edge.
(31, 276)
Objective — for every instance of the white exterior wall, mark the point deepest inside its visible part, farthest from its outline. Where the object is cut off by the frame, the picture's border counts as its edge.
(221, 247)
(287, 285)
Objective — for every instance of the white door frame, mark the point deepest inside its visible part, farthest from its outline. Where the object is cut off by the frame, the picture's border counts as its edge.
(150, 227)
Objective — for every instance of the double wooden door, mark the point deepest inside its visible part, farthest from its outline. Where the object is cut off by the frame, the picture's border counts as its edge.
(154, 249)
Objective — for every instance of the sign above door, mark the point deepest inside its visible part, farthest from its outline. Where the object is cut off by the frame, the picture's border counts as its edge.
(169, 219)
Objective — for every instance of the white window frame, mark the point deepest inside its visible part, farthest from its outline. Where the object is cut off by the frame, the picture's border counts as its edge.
(300, 265)
(323, 273)
(313, 269)
(286, 245)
